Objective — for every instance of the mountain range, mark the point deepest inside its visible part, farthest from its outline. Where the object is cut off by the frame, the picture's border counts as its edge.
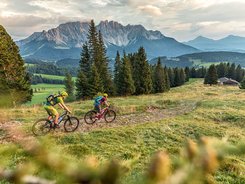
(67, 39)
(229, 43)
(65, 42)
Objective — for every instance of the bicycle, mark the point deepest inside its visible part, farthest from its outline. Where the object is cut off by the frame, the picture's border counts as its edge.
(43, 126)
(108, 114)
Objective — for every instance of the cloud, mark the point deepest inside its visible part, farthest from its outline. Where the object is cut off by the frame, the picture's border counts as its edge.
(181, 19)
(151, 10)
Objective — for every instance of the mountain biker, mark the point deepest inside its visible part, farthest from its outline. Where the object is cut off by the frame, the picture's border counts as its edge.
(100, 100)
(52, 112)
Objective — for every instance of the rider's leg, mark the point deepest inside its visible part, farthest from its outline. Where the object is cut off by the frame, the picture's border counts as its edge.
(55, 114)
(97, 109)
(56, 119)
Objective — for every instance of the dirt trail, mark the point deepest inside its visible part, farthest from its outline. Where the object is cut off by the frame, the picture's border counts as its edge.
(152, 114)
(11, 131)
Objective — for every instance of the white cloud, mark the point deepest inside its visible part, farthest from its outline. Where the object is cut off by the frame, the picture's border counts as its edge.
(181, 19)
(152, 10)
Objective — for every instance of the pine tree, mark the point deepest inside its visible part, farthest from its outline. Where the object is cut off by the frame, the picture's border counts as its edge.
(239, 73)
(103, 68)
(232, 71)
(177, 77)
(85, 62)
(193, 73)
(182, 76)
(222, 70)
(142, 73)
(125, 80)
(117, 71)
(94, 82)
(187, 74)
(171, 77)
(15, 85)
(242, 84)
(69, 86)
(93, 44)
(167, 80)
(159, 79)
(211, 76)
(82, 86)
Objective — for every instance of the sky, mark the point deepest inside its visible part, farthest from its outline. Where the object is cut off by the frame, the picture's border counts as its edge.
(181, 19)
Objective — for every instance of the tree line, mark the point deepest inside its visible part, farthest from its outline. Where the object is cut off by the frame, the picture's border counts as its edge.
(227, 70)
(38, 79)
(132, 74)
(50, 69)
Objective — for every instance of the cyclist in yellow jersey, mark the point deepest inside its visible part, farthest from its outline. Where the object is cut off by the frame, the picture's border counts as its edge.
(52, 112)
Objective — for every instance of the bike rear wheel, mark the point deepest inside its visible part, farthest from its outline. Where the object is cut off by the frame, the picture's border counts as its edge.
(41, 127)
(71, 124)
(110, 116)
(90, 117)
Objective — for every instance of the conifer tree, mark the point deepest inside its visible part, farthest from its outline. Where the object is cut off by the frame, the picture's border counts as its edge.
(211, 76)
(159, 79)
(239, 73)
(117, 71)
(242, 84)
(187, 74)
(193, 73)
(93, 44)
(167, 80)
(142, 73)
(222, 70)
(15, 83)
(69, 86)
(171, 77)
(82, 85)
(94, 82)
(103, 68)
(182, 76)
(177, 77)
(125, 80)
(232, 71)
(85, 62)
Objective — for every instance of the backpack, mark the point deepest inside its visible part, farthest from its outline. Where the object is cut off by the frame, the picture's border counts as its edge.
(51, 99)
(97, 100)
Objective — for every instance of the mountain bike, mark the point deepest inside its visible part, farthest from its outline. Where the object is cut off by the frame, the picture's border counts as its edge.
(43, 126)
(108, 114)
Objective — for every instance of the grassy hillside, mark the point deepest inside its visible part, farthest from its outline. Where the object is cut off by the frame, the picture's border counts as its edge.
(148, 123)
(42, 91)
(54, 76)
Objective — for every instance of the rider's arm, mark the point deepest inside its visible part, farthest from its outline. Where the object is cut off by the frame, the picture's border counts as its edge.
(63, 106)
(106, 103)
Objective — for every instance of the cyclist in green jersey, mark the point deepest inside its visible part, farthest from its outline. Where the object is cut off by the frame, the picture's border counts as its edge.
(52, 112)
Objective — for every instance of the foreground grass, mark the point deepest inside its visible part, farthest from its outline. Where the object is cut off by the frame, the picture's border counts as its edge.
(219, 112)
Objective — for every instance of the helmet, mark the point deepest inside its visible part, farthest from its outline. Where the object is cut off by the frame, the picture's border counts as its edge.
(105, 95)
(64, 94)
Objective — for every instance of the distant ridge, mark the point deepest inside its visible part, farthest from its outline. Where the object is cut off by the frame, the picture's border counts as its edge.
(229, 43)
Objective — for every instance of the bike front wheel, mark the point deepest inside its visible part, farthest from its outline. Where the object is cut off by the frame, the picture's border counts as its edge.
(71, 124)
(41, 127)
(110, 116)
(90, 117)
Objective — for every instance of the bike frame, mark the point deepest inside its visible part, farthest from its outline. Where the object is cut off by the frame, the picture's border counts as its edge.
(103, 111)
(61, 117)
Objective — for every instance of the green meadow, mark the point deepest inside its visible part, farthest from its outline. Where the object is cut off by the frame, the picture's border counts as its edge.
(211, 111)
